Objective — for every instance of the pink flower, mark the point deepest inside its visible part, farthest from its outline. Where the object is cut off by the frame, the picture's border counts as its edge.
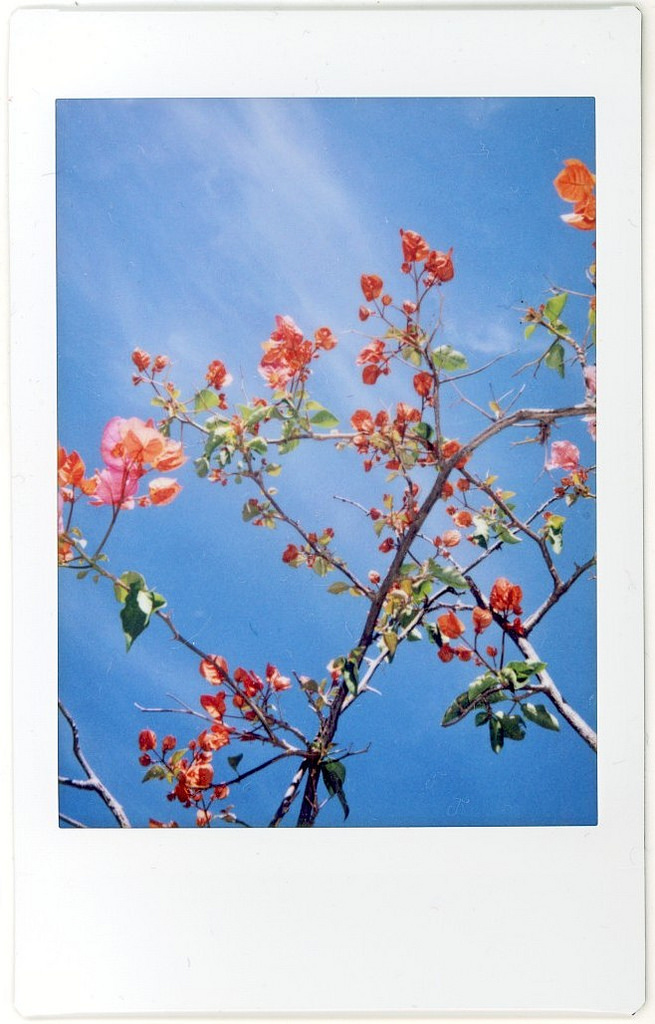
(563, 455)
(116, 486)
(591, 425)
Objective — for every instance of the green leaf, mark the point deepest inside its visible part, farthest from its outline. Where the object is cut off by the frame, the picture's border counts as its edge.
(457, 709)
(204, 400)
(554, 306)
(504, 534)
(156, 771)
(424, 430)
(250, 510)
(479, 685)
(234, 761)
(495, 735)
(529, 330)
(82, 574)
(513, 727)
(339, 587)
(540, 716)
(201, 465)
(445, 357)
(411, 355)
(554, 359)
(274, 469)
(321, 566)
(177, 756)
(128, 579)
(334, 776)
(258, 444)
(481, 717)
(524, 669)
(136, 612)
(288, 446)
(449, 575)
(350, 674)
(326, 419)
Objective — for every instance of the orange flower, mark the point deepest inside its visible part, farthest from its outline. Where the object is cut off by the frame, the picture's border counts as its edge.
(168, 743)
(160, 363)
(70, 468)
(325, 339)
(372, 286)
(147, 740)
(505, 597)
(575, 182)
(203, 818)
(415, 248)
(446, 653)
(362, 421)
(221, 792)
(463, 518)
(214, 669)
(172, 457)
(449, 449)
(140, 359)
(451, 538)
(141, 442)
(423, 384)
(153, 823)
(450, 626)
(447, 490)
(482, 619)
(163, 490)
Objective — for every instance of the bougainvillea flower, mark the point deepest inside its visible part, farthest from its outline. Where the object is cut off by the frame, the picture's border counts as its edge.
(451, 538)
(563, 455)
(482, 619)
(575, 184)
(286, 354)
(575, 181)
(506, 597)
(214, 669)
(290, 554)
(214, 704)
(70, 468)
(160, 363)
(446, 653)
(215, 738)
(439, 265)
(325, 339)
(415, 248)
(199, 775)
(250, 681)
(172, 457)
(140, 359)
(168, 743)
(450, 626)
(591, 425)
(141, 442)
(276, 679)
(116, 486)
(217, 376)
(423, 384)
(163, 490)
(463, 518)
(372, 286)
(147, 740)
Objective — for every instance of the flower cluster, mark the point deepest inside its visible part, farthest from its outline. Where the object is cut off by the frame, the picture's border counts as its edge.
(130, 448)
(144, 361)
(288, 354)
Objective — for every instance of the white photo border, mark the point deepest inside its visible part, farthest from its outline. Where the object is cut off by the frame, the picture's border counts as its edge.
(400, 935)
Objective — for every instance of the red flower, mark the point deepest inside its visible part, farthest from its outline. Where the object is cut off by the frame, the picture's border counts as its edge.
(423, 384)
(372, 286)
(563, 455)
(463, 518)
(445, 653)
(140, 359)
(214, 704)
(324, 338)
(160, 363)
(214, 669)
(163, 490)
(147, 740)
(217, 376)
(168, 743)
(386, 545)
(290, 554)
(506, 597)
(440, 267)
(575, 184)
(215, 738)
(451, 538)
(415, 248)
(199, 775)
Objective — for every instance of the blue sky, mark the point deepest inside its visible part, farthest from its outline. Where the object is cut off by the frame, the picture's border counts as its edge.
(184, 226)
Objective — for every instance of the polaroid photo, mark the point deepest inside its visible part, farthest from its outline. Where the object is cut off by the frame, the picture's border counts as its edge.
(336, 674)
